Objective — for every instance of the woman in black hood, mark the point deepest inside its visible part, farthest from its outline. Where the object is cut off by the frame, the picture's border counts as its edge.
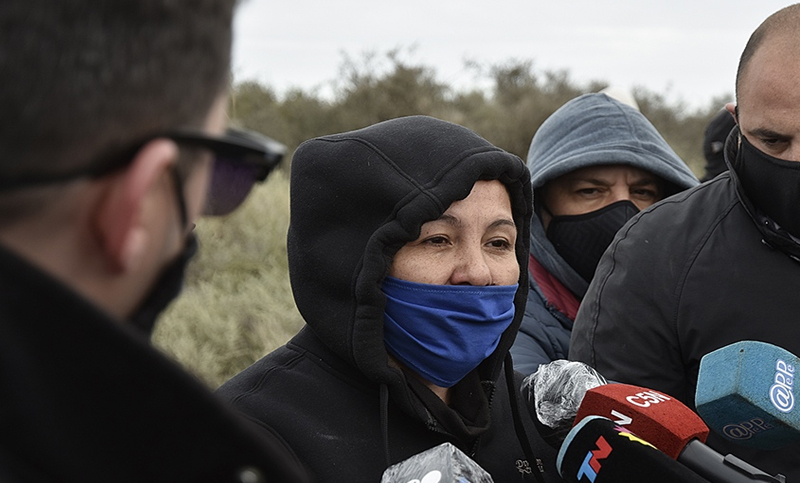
(408, 248)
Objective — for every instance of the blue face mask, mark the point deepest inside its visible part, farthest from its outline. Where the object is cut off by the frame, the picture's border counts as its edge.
(442, 332)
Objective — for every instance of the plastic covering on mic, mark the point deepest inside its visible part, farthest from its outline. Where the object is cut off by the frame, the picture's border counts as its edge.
(441, 464)
(554, 393)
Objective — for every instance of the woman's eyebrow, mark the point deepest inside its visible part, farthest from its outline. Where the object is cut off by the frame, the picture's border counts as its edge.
(456, 222)
(450, 220)
(503, 222)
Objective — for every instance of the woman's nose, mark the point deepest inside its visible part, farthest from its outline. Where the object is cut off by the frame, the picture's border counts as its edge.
(471, 268)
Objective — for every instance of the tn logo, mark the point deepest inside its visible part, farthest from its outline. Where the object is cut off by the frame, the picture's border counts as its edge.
(591, 464)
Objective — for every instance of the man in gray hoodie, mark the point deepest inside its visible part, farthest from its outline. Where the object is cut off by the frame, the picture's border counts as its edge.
(594, 164)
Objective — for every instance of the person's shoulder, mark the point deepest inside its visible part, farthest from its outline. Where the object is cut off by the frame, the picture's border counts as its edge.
(689, 211)
(717, 193)
(259, 375)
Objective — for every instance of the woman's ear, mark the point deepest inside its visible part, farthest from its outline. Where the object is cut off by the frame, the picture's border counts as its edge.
(123, 233)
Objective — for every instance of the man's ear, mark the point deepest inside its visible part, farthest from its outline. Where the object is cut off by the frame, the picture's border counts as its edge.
(122, 234)
(731, 107)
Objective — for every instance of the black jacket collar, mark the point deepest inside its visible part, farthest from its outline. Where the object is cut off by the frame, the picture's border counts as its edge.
(84, 398)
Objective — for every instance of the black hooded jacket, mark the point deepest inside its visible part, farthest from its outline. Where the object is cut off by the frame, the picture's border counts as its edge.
(694, 273)
(356, 198)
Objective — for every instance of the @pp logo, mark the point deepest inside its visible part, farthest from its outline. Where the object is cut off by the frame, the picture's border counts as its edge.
(746, 429)
(780, 394)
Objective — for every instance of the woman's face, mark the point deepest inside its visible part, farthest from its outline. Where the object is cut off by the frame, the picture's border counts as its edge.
(472, 243)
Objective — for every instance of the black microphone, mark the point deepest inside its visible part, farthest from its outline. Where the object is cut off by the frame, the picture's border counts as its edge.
(597, 450)
(441, 464)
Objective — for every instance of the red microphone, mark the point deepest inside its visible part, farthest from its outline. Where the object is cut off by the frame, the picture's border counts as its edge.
(646, 412)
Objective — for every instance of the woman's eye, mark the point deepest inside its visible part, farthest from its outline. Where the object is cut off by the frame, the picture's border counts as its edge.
(436, 240)
(500, 243)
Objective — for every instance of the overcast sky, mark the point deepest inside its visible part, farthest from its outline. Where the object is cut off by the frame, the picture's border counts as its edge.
(685, 49)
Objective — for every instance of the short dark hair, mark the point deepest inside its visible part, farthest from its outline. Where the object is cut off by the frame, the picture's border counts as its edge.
(81, 78)
(785, 19)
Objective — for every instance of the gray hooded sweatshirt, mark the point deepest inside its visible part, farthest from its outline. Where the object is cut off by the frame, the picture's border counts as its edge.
(590, 130)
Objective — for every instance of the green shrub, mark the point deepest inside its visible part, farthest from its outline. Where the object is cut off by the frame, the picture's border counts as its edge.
(237, 304)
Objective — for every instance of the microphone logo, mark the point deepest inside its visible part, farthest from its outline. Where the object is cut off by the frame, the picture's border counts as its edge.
(645, 399)
(591, 464)
(746, 429)
(435, 476)
(781, 392)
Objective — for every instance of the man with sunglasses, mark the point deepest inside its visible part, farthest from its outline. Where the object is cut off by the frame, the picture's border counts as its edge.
(112, 144)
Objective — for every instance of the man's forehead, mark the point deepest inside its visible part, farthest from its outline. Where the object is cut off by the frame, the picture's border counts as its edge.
(773, 69)
(769, 94)
(608, 172)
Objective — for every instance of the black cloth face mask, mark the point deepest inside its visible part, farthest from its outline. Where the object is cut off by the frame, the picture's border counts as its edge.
(582, 239)
(166, 288)
(771, 184)
(170, 282)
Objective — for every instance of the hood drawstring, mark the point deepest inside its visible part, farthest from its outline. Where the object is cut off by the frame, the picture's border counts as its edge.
(384, 390)
(513, 396)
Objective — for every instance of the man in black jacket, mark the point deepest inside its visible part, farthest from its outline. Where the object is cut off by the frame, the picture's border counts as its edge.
(718, 263)
(112, 112)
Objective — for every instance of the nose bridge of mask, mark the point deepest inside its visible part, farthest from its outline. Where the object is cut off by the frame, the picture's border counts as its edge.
(617, 210)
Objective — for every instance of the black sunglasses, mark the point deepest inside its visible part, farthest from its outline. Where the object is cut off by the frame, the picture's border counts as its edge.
(241, 159)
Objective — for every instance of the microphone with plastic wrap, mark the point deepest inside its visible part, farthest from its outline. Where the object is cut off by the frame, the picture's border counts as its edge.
(441, 464)
(598, 450)
(671, 427)
(553, 395)
(746, 393)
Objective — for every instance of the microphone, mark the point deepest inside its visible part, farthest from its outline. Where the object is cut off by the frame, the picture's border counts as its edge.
(646, 412)
(441, 464)
(553, 395)
(598, 450)
(746, 393)
(672, 427)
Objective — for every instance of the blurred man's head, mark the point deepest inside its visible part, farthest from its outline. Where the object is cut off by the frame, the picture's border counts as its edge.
(95, 188)
(714, 137)
(767, 92)
(85, 78)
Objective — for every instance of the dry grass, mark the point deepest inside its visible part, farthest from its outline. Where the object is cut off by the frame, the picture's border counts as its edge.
(237, 303)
